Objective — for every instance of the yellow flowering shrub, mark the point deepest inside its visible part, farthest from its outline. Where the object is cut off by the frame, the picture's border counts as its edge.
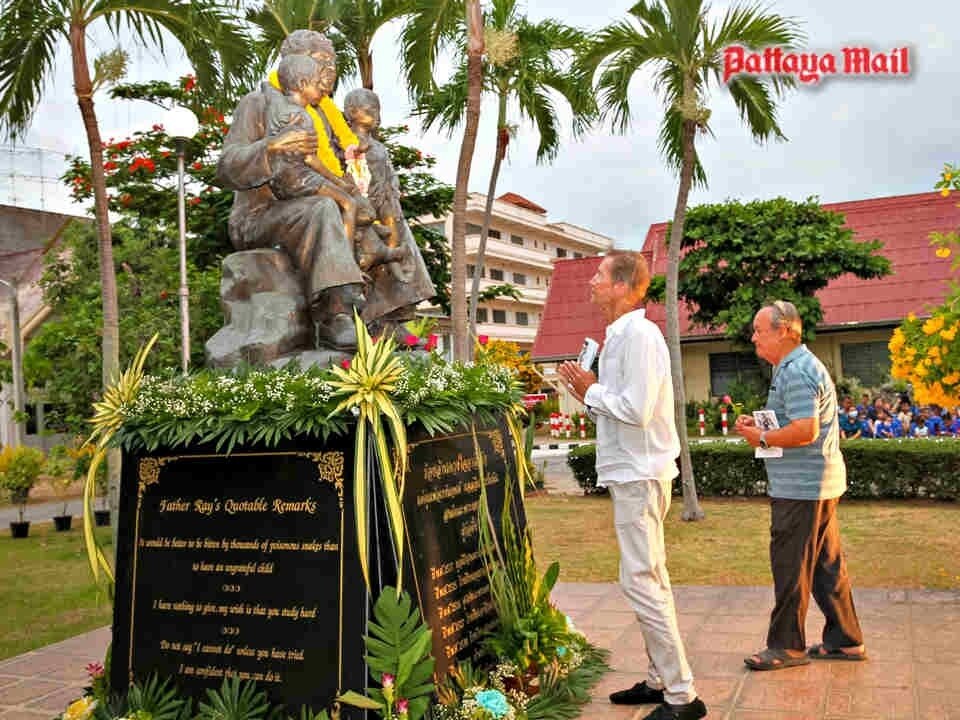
(924, 352)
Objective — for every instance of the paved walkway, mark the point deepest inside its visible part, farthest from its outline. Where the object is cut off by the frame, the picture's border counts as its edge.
(913, 638)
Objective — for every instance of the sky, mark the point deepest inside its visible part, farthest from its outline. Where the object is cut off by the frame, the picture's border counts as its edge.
(849, 137)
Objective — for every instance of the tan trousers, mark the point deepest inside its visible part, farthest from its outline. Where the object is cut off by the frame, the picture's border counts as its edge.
(639, 509)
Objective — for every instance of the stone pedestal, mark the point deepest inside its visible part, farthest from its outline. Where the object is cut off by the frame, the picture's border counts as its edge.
(264, 308)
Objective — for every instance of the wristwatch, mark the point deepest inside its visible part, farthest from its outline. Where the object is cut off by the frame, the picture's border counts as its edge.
(763, 440)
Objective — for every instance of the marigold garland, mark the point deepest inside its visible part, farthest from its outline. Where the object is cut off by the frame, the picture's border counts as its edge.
(345, 136)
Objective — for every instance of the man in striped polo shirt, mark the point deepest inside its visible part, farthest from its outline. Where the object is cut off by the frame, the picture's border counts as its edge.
(805, 485)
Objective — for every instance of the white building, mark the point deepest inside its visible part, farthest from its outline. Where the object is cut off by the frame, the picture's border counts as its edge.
(521, 249)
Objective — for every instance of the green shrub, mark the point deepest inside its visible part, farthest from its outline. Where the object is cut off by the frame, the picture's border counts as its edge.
(582, 460)
(875, 469)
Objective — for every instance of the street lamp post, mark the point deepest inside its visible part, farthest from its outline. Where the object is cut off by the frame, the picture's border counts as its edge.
(16, 357)
(181, 124)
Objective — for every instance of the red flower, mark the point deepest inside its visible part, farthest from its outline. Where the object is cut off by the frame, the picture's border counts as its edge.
(189, 83)
(142, 162)
(431, 343)
(122, 145)
(727, 400)
(94, 669)
(411, 340)
(164, 153)
(163, 294)
(109, 166)
(345, 364)
(157, 127)
(195, 201)
(483, 339)
(197, 165)
(126, 199)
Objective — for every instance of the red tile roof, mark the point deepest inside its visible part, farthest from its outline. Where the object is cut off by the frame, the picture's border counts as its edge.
(521, 201)
(903, 223)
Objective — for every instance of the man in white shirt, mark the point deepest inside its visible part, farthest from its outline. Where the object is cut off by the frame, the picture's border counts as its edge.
(637, 448)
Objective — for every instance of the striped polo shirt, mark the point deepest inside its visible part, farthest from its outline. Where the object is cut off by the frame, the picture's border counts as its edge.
(801, 388)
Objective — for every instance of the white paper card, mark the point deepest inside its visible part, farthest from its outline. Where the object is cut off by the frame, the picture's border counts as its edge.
(766, 420)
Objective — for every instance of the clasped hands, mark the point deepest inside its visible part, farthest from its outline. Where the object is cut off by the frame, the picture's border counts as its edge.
(576, 378)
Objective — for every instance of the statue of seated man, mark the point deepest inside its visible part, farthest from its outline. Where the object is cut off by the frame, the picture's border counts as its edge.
(309, 227)
(300, 83)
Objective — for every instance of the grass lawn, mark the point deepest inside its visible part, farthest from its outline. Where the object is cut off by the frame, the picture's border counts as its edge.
(904, 544)
(47, 593)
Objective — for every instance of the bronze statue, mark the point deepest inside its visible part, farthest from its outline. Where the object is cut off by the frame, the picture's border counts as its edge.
(292, 192)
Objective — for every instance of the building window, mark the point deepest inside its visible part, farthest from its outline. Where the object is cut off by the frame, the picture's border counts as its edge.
(496, 274)
(523, 318)
(869, 362)
(561, 252)
(471, 269)
(500, 316)
(733, 367)
(538, 279)
(578, 255)
(439, 227)
(473, 229)
(481, 315)
(495, 234)
(520, 278)
(516, 240)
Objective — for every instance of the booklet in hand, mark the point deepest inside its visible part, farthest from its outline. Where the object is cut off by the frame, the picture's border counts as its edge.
(766, 420)
(588, 353)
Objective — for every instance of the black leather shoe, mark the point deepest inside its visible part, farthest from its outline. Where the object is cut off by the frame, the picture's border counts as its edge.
(691, 711)
(639, 694)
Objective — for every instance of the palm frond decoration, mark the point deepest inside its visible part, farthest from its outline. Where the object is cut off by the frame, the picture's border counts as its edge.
(367, 383)
(107, 419)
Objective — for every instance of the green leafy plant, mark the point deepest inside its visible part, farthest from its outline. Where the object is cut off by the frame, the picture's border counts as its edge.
(20, 467)
(530, 627)
(398, 657)
(158, 699)
(235, 699)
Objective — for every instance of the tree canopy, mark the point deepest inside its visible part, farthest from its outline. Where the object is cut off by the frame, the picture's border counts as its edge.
(740, 256)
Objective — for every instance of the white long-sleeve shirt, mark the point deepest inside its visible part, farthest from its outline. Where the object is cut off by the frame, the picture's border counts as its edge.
(633, 404)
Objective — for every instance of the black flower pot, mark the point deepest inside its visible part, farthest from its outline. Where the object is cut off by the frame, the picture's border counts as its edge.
(20, 529)
(62, 522)
(101, 517)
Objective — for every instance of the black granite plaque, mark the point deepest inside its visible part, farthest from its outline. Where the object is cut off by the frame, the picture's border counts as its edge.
(440, 506)
(242, 564)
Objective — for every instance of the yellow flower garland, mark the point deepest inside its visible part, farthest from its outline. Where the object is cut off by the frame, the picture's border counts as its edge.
(345, 135)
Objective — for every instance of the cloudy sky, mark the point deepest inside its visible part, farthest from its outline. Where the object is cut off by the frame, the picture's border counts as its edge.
(849, 137)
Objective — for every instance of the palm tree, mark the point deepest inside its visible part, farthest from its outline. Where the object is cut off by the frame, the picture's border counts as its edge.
(350, 24)
(524, 64)
(685, 51)
(30, 32)
(434, 25)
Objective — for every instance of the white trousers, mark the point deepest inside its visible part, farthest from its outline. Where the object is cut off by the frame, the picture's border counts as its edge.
(639, 509)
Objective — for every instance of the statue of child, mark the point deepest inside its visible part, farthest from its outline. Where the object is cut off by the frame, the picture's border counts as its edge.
(361, 108)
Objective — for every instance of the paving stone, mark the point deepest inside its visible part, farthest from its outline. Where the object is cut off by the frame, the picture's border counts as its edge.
(904, 630)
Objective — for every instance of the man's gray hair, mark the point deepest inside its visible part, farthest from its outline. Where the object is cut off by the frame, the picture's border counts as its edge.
(306, 42)
(783, 313)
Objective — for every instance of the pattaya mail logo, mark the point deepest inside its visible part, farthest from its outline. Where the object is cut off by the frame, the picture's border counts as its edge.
(810, 67)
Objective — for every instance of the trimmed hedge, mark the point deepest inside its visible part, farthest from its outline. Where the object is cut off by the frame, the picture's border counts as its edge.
(875, 469)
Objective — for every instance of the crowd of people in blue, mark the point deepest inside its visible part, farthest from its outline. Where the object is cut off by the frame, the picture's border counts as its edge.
(880, 420)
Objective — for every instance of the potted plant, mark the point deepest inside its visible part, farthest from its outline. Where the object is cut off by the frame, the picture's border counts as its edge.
(19, 469)
(59, 470)
(82, 457)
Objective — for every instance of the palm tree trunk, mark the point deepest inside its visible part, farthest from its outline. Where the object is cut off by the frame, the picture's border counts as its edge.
(502, 139)
(691, 506)
(83, 87)
(458, 271)
(365, 62)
